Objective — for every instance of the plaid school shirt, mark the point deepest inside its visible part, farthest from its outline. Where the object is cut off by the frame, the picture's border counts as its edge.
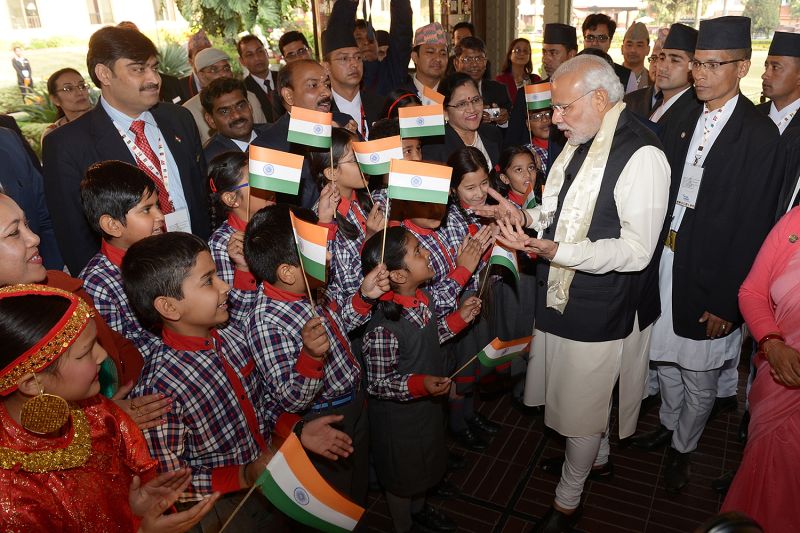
(218, 421)
(295, 380)
(102, 279)
(459, 224)
(244, 288)
(448, 280)
(380, 348)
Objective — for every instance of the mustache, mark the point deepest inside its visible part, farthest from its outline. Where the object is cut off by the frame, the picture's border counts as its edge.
(324, 101)
(149, 87)
(237, 123)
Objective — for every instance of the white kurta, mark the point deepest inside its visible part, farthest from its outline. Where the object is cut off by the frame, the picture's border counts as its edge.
(573, 379)
(667, 346)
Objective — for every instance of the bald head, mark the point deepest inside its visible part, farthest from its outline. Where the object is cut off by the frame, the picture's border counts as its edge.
(305, 83)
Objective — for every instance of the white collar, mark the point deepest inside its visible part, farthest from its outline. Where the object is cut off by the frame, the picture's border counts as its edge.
(243, 146)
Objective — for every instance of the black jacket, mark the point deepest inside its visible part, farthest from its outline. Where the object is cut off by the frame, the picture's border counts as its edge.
(69, 150)
(640, 102)
(7, 121)
(765, 107)
(219, 144)
(267, 101)
(372, 104)
(495, 93)
(440, 148)
(791, 145)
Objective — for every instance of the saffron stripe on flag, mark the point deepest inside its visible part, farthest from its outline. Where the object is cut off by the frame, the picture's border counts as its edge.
(374, 156)
(312, 244)
(498, 352)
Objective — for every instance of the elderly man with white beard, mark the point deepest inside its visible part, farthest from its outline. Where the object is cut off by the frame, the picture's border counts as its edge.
(600, 226)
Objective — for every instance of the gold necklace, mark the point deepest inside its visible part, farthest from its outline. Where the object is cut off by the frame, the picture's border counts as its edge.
(74, 455)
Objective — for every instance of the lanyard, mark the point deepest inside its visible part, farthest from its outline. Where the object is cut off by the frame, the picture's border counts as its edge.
(709, 123)
(785, 120)
(144, 160)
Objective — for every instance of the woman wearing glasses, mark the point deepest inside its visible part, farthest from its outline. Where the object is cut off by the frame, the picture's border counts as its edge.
(518, 68)
(463, 111)
(70, 93)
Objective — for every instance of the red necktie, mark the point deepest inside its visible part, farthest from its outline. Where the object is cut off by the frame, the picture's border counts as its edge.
(164, 203)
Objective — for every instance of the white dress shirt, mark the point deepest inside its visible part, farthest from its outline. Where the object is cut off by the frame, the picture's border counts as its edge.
(783, 117)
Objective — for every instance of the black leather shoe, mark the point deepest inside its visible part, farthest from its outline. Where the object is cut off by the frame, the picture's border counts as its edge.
(676, 473)
(444, 490)
(723, 482)
(653, 440)
(481, 423)
(552, 465)
(434, 520)
(527, 410)
(648, 403)
(743, 427)
(455, 462)
(723, 405)
(555, 521)
(470, 440)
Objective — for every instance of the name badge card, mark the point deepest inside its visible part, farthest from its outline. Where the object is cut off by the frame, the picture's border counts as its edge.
(178, 221)
(690, 185)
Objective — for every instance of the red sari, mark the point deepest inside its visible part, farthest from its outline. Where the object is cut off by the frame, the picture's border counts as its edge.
(767, 485)
(83, 490)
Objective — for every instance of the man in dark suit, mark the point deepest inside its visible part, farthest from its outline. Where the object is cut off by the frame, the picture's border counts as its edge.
(781, 81)
(719, 220)
(260, 81)
(7, 121)
(470, 58)
(227, 111)
(392, 71)
(302, 83)
(598, 32)
(790, 191)
(128, 125)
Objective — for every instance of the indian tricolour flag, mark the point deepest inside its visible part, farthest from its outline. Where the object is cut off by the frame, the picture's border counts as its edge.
(498, 352)
(530, 198)
(312, 128)
(421, 121)
(374, 156)
(273, 170)
(430, 96)
(295, 487)
(504, 257)
(419, 182)
(537, 96)
(312, 241)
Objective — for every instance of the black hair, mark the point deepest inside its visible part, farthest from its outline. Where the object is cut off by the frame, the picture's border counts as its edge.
(469, 43)
(730, 522)
(340, 141)
(463, 161)
(453, 82)
(597, 52)
(383, 128)
(111, 43)
(290, 37)
(25, 319)
(224, 173)
(245, 39)
(397, 98)
(464, 24)
(361, 24)
(506, 157)
(507, 62)
(286, 74)
(157, 266)
(113, 188)
(595, 19)
(394, 256)
(217, 88)
(269, 240)
(52, 90)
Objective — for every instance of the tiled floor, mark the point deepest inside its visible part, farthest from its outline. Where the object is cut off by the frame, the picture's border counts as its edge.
(504, 489)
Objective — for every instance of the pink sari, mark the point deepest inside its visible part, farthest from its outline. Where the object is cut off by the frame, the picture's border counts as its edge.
(767, 485)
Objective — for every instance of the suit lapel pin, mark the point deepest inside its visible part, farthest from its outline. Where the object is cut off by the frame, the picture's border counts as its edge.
(178, 139)
(683, 134)
(793, 238)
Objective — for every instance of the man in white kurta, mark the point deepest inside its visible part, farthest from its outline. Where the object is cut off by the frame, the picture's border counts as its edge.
(600, 222)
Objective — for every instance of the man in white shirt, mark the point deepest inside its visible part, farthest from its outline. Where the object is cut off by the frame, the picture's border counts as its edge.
(781, 80)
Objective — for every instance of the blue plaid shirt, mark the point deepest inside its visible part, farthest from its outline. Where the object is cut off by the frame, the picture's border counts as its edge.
(102, 280)
(218, 422)
(456, 227)
(244, 288)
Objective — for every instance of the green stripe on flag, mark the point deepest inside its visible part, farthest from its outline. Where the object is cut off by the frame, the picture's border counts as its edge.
(489, 362)
(264, 183)
(417, 195)
(282, 501)
(423, 131)
(504, 261)
(538, 104)
(313, 269)
(317, 141)
(375, 170)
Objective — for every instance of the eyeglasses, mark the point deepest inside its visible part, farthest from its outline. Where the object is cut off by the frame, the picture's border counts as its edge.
(238, 106)
(563, 109)
(346, 60)
(300, 52)
(81, 87)
(521, 51)
(712, 65)
(473, 60)
(653, 59)
(595, 38)
(474, 101)
(215, 70)
(536, 117)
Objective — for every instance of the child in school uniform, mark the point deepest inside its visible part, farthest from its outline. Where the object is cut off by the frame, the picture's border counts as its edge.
(406, 367)
(221, 417)
(121, 204)
(412, 147)
(302, 351)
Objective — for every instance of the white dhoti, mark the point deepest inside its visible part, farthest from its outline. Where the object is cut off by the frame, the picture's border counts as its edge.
(575, 380)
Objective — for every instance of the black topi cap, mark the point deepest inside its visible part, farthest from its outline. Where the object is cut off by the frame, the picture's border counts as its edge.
(556, 33)
(336, 38)
(681, 37)
(785, 44)
(724, 33)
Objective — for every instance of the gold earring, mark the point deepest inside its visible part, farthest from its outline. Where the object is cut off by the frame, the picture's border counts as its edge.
(44, 413)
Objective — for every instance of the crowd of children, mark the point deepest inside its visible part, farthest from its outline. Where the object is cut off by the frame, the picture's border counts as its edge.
(235, 354)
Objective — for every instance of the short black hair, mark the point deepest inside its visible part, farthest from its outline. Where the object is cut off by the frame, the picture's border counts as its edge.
(470, 26)
(224, 173)
(453, 82)
(157, 266)
(595, 19)
(247, 38)
(361, 24)
(383, 128)
(25, 319)
(290, 37)
(397, 98)
(269, 240)
(469, 43)
(217, 88)
(390, 251)
(111, 43)
(113, 188)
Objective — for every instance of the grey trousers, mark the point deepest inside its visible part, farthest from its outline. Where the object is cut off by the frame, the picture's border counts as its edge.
(686, 400)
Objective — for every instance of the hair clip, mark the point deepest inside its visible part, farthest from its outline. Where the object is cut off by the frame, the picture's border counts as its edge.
(211, 185)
